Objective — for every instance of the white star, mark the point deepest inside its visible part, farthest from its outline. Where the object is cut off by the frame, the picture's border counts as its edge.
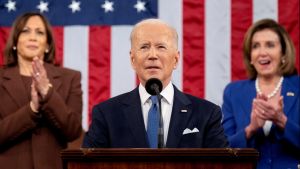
(140, 6)
(75, 6)
(108, 6)
(43, 7)
(10, 5)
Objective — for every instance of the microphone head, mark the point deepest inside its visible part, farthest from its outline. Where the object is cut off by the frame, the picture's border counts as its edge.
(153, 86)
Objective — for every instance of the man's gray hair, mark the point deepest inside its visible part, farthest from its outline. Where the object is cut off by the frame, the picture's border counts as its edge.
(155, 21)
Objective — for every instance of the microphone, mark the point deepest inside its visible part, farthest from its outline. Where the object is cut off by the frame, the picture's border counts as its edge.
(154, 87)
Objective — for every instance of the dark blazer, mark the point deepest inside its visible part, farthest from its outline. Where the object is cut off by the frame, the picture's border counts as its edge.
(28, 140)
(118, 123)
(281, 149)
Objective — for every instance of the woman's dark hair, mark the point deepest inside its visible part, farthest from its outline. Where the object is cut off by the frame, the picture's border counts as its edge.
(10, 54)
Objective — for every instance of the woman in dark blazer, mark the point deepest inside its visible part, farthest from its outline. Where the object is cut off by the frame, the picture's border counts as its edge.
(263, 112)
(40, 104)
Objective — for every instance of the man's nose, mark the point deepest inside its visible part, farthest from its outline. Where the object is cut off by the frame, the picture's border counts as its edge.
(152, 53)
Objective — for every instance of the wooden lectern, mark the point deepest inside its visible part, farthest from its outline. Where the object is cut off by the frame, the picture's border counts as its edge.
(166, 158)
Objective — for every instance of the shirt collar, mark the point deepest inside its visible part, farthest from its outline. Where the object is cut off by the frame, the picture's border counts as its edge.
(167, 93)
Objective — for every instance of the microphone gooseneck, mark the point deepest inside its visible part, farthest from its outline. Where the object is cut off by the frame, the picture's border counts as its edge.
(154, 87)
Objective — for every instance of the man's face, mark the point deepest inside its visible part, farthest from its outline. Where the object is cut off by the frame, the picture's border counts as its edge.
(154, 52)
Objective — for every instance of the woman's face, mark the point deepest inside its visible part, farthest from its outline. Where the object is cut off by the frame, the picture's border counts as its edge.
(32, 40)
(266, 53)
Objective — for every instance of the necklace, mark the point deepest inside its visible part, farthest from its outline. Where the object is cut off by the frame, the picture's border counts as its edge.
(273, 93)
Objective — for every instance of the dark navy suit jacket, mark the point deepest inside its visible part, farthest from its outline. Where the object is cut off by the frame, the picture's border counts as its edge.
(281, 149)
(119, 123)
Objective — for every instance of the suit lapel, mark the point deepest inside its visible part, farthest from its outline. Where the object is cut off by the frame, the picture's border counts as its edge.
(53, 75)
(14, 85)
(179, 118)
(246, 96)
(134, 116)
(290, 92)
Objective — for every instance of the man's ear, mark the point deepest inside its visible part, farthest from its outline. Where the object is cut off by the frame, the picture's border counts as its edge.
(132, 61)
(177, 57)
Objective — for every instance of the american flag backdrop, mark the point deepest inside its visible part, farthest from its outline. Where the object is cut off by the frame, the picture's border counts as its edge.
(92, 36)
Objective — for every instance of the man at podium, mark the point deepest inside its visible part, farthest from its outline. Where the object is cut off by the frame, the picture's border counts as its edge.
(155, 114)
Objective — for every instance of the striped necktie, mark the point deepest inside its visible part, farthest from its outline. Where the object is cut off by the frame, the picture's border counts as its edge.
(153, 122)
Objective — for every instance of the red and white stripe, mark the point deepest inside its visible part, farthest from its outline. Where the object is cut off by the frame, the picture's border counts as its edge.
(210, 42)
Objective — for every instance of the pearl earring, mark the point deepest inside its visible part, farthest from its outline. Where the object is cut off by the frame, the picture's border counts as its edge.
(283, 60)
(14, 48)
(47, 50)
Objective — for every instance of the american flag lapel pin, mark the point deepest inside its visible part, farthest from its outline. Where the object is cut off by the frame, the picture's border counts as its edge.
(290, 94)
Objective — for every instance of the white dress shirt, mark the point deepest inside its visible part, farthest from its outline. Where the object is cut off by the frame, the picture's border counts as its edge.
(166, 106)
(267, 127)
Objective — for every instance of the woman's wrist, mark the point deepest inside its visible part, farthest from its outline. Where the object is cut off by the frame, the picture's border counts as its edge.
(33, 108)
(249, 132)
(281, 121)
(46, 90)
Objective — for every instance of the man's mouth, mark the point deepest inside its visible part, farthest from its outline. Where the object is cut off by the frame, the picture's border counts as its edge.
(152, 67)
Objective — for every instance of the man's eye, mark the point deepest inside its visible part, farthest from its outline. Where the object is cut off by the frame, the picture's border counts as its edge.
(144, 47)
(161, 47)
